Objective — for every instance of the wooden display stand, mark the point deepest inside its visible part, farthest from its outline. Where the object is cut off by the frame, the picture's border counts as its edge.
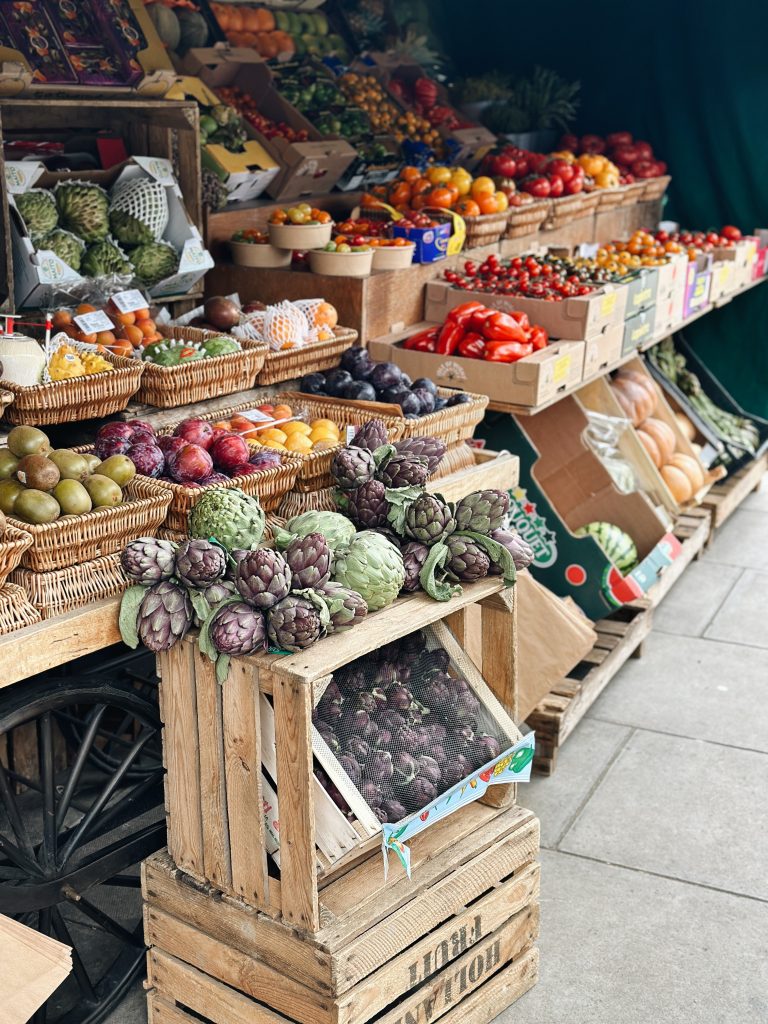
(725, 497)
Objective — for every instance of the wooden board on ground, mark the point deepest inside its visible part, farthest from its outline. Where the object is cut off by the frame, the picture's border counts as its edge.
(692, 530)
(725, 497)
(557, 715)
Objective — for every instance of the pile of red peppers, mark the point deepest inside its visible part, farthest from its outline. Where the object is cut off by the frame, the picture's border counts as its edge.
(476, 332)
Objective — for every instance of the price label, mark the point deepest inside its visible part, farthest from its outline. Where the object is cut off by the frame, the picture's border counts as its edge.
(350, 433)
(129, 301)
(92, 323)
(256, 416)
(608, 303)
(561, 368)
(588, 250)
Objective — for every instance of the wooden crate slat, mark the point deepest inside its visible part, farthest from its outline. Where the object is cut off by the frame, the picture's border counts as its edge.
(213, 794)
(724, 498)
(692, 529)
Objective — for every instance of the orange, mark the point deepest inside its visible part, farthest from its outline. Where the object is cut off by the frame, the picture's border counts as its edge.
(487, 203)
(326, 315)
(441, 197)
(120, 347)
(410, 174)
(62, 318)
(84, 308)
(150, 339)
(105, 338)
(133, 333)
(467, 207)
(146, 327)
(124, 318)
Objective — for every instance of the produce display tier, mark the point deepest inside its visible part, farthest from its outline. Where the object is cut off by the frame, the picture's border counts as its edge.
(724, 498)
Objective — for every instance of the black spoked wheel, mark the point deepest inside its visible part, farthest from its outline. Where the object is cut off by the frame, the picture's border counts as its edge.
(78, 813)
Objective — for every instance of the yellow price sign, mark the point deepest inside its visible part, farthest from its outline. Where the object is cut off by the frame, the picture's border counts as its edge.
(561, 368)
(608, 304)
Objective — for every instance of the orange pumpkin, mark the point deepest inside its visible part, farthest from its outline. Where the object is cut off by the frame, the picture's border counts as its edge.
(644, 382)
(663, 435)
(691, 467)
(685, 425)
(650, 446)
(678, 483)
(634, 399)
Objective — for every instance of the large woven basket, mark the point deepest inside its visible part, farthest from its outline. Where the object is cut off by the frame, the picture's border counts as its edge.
(16, 612)
(634, 192)
(656, 187)
(459, 456)
(169, 386)
(12, 546)
(72, 540)
(485, 229)
(79, 398)
(526, 220)
(295, 362)
(6, 397)
(565, 209)
(63, 590)
(451, 424)
(296, 502)
(610, 198)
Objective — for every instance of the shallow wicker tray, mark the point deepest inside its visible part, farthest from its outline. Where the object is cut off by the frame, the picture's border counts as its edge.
(63, 590)
(565, 209)
(452, 424)
(16, 612)
(169, 386)
(6, 397)
(526, 220)
(485, 229)
(295, 362)
(610, 198)
(72, 540)
(80, 398)
(459, 456)
(12, 546)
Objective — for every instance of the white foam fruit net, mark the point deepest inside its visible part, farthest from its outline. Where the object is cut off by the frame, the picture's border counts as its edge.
(144, 200)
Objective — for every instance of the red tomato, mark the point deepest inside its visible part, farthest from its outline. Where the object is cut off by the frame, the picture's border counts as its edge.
(730, 232)
(591, 144)
(561, 169)
(618, 139)
(644, 150)
(537, 186)
(555, 186)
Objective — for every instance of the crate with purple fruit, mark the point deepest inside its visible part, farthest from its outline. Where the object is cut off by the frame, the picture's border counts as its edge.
(301, 766)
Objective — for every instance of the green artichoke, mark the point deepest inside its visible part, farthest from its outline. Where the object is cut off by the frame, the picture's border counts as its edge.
(352, 467)
(294, 623)
(371, 566)
(165, 616)
(148, 560)
(238, 630)
(336, 528)
(227, 515)
(309, 559)
(482, 511)
(199, 563)
(346, 606)
(428, 519)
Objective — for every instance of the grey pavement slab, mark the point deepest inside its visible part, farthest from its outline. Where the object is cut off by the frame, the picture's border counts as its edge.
(742, 540)
(683, 808)
(580, 762)
(688, 686)
(743, 616)
(758, 499)
(694, 600)
(622, 947)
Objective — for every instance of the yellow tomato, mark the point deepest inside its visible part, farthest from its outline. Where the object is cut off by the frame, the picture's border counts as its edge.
(606, 179)
(567, 155)
(462, 182)
(439, 175)
(592, 163)
(501, 201)
(483, 186)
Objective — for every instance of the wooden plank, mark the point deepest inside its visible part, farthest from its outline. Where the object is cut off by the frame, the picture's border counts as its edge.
(213, 795)
(180, 750)
(161, 1012)
(724, 498)
(486, 1003)
(56, 641)
(497, 470)
(499, 643)
(242, 769)
(293, 733)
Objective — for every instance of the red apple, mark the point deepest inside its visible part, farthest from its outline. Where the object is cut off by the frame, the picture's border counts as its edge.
(198, 432)
(169, 445)
(229, 452)
(192, 463)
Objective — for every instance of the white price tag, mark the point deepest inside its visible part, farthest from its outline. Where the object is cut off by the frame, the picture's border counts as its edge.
(130, 301)
(92, 323)
(350, 433)
(257, 416)
(588, 250)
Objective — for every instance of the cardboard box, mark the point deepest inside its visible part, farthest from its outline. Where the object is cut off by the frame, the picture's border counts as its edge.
(37, 276)
(528, 382)
(601, 351)
(739, 260)
(698, 284)
(760, 262)
(641, 291)
(362, 174)
(639, 330)
(722, 280)
(671, 275)
(572, 319)
(244, 175)
(563, 486)
(307, 168)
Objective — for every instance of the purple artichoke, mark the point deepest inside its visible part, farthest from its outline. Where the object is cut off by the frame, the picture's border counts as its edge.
(404, 769)
(330, 704)
(148, 560)
(367, 506)
(235, 556)
(263, 579)
(435, 693)
(404, 470)
(371, 435)
(352, 768)
(378, 767)
(522, 553)
(390, 720)
(215, 594)
(414, 557)
(371, 793)
(460, 737)
(429, 769)
(418, 793)
(200, 563)
(352, 467)
(165, 615)
(329, 736)
(484, 748)
(428, 519)
(293, 623)
(399, 698)
(356, 722)
(238, 630)
(482, 511)
(429, 448)
(394, 810)
(309, 559)
(352, 678)
(347, 607)
(358, 748)
(458, 768)
(466, 561)
(463, 710)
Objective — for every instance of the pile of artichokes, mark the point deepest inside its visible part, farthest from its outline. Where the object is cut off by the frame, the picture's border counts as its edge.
(381, 488)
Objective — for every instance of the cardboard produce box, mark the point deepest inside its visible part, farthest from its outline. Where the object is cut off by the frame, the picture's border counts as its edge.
(602, 351)
(573, 319)
(307, 168)
(39, 275)
(698, 284)
(670, 296)
(638, 330)
(642, 289)
(563, 486)
(732, 267)
(528, 382)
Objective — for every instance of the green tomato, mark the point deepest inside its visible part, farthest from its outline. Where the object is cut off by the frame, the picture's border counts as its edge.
(343, 247)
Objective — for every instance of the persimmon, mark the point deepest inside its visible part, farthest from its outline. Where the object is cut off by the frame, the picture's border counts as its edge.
(62, 318)
(141, 314)
(120, 347)
(133, 333)
(487, 203)
(441, 197)
(124, 318)
(83, 308)
(467, 207)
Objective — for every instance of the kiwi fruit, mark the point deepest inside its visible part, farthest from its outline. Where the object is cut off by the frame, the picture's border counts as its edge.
(118, 468)
(9, 492)
(28, 441)
(36, 507)
(38, 472)
(103, 491)
(71, 465)
(93, 462)
(73, 498)
(8, 463)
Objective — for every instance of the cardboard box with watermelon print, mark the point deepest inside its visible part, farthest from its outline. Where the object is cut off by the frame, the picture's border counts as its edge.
(564, 486)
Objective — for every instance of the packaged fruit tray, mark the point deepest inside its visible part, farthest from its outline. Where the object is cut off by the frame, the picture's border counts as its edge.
(13, 544)
(294, 362)
(77, 398)
(72, 540)
(196, 380)
(63, 590)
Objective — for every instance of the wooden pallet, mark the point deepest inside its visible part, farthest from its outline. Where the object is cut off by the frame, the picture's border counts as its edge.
(725, 497)
(455, 943)
(692, 529)
(557, 715)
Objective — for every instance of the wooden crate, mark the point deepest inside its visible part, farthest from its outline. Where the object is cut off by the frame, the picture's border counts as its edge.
(692, 529)
(725, 497)
(455, 943)
(557, 715)
(162, 128)
(497, 470)
(216, 739)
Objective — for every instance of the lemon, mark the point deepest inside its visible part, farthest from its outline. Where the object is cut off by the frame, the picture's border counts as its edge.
(273, 434)
(319, 434)
(277, 445)
(298, 443)
(296, 427)
(327, 425)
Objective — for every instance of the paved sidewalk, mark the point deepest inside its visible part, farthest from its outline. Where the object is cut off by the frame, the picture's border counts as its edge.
(655, 823)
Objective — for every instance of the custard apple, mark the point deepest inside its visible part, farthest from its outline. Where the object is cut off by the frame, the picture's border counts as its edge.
(154, 261)
(104, 258)
(220, 345)
(38, 209)
(83, 209)
(138, 212)
(68, 247)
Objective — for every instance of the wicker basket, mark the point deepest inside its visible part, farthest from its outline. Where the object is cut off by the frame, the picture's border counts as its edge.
(565, 209)
(634, 193)
(72, 540)
(656, 187)
(6, 397)
(169, 386)
(63, 590)
(610, 198)
(296, 502)
(590, 202)
(79, 398)
(485, 229)
(459, 456)
(526, 220)
(15, 610)
(295, 362)
(453, 423)
(13, 545)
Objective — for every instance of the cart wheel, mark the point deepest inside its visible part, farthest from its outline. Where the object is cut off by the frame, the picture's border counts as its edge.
(72, 841)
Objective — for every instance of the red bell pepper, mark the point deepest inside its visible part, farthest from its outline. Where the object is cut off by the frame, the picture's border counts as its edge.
(424, 341)
(538, 337)
(507, 351)
(472, 346)
(479, 318)
(503, 327)
(522, 318)
(449, 337)
(463, 314)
